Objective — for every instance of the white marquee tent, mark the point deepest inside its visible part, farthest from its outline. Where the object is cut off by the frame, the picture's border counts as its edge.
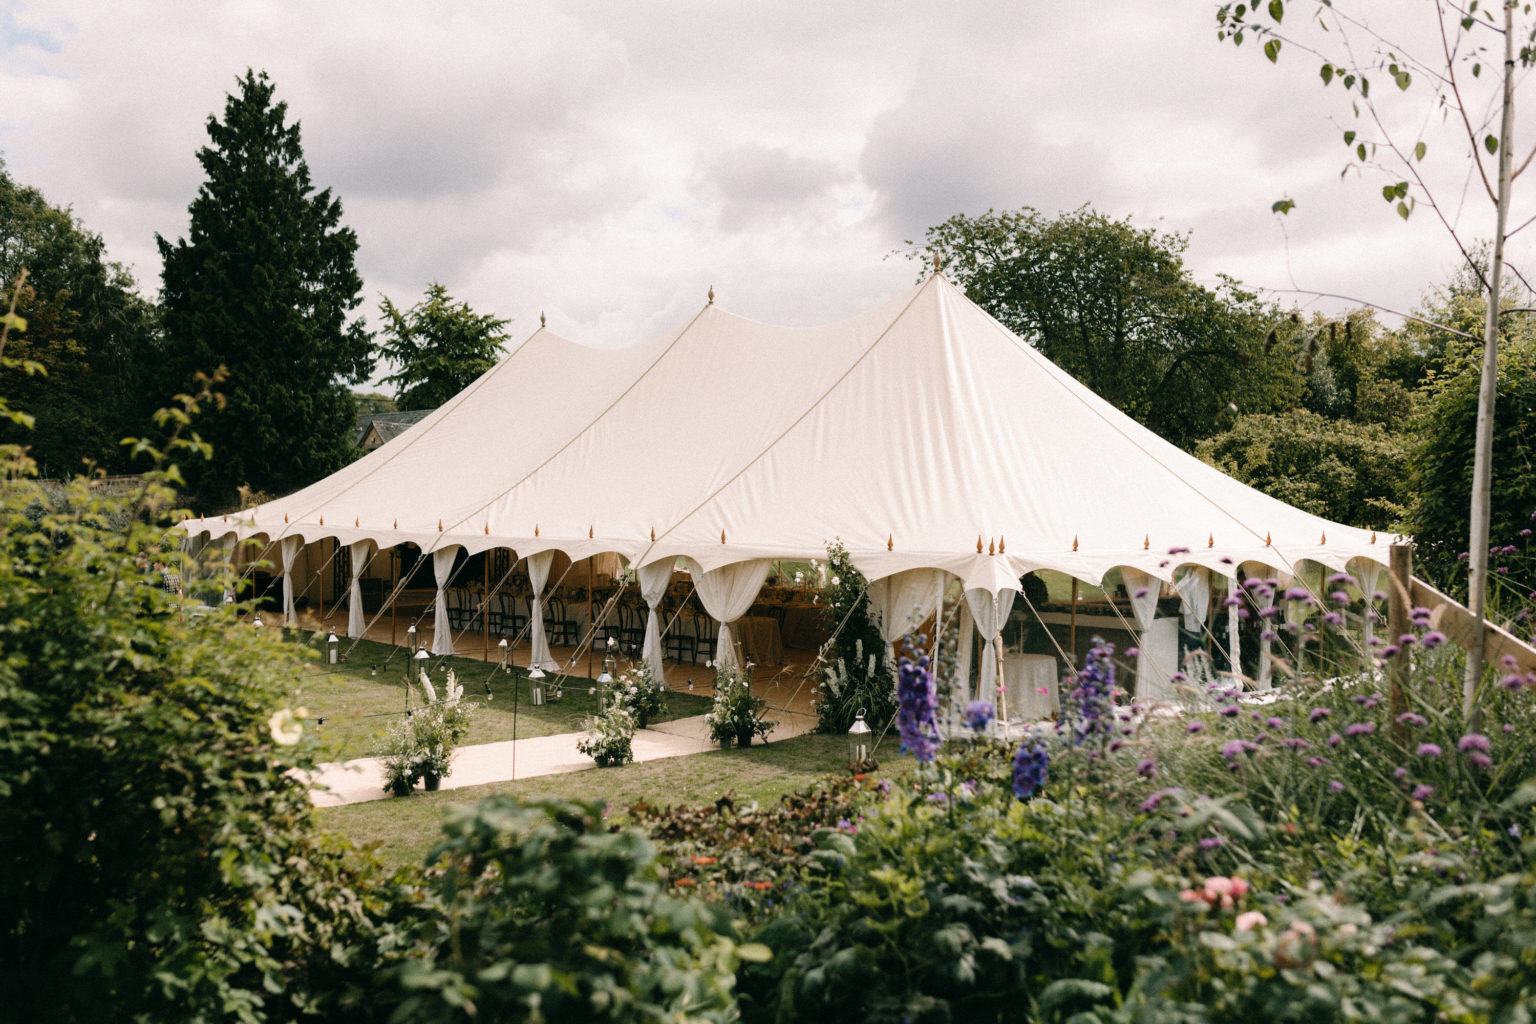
(923, 434)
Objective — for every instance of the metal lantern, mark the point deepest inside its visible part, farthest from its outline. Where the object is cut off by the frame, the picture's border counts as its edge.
(410, 637)
(257, 622)
(536, 676)
(332, 648)
(858, 740)
(502, 647)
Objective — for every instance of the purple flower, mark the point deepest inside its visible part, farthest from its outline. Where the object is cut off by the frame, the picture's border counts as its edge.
(1341, 579)
(1295, 743)
(1141, 592)
(916, 716)
(1178, 551)
(1232, 602)
(1473, 741)
(1297, 594)
(1231, 711)
(1429, 750)
(1319, 713)
(1146, 768)
(1212, 842)
(1088, 709)
(1313, 762)
(1336, 786)
(1409, 718)
(1390, 651)
(978, 715)
(1333, 618)
(1399, 772)
(1335, 740)
(1367, 700)
(1513, 681)
(1269, 612)
(1478, 759)
(1275, 723)
(1133, 652)
(1232, 748)
(1360, 728)
(1267, 634)
(1434, 638)
(1030, 764)
(1152, 801)
(1422, 792)
(1196, 727)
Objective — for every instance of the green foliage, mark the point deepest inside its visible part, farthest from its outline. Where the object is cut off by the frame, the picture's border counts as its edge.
(1113, 305)
(263, 286)
(534, 913)
(1344, 471)
(610, 735)
(1440, 462)
(155, 856)
(439, 346)
(856, 676)
(641, 694)
(93, 338)
(372, 402)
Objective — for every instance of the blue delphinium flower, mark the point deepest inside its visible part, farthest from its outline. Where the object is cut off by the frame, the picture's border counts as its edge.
(916, 716)
(1089, 709)
(978, 715)
(1030, 763)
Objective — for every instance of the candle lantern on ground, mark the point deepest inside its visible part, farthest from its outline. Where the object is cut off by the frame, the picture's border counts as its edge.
(536, 677)
(858, 740)
(332, 648)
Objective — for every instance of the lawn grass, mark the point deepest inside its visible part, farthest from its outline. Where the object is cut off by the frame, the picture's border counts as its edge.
(404, 829)
(360, 698)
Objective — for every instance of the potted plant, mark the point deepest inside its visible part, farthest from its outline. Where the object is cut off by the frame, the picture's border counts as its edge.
(641, 693)
(609, 736)
(737, 712)
(438, 729)
(400, 773)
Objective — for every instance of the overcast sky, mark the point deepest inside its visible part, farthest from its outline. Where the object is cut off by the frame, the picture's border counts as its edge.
(609, 162)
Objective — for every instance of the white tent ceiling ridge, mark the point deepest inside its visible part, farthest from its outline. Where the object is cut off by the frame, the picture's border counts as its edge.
(903, 432)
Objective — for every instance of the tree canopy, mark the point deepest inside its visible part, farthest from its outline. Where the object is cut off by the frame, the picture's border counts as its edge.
(264, 285)
(1113, 305)
(439, 345)
(89, 330)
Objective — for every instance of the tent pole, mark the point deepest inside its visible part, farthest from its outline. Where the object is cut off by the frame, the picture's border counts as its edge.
(1072, 635)
(1002, 683)
(394, 590)
(485, 601)
(591, 623)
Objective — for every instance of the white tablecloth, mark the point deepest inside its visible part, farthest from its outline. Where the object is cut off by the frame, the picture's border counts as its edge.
(1026, 675)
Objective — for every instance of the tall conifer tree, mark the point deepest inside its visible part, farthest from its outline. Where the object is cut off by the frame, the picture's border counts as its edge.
(264, 286)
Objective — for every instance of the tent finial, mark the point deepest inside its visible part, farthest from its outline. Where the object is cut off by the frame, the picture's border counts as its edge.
(653, 535)
(1325, 538)
(991, 546)
(590, 533)
(542, 322)
(1267, 540)
(711, 295)
(890, 542)
(1000, 542)
(322, 520)
(1373, 536)
(535, 529)
(285, 517)
(1210, 541)
(397, 524)
(356, 521)
(978, 543)
(487, 529)
(722, 536)
(938, 264)
(439, 526)
(1074, 542)
(1146, 543)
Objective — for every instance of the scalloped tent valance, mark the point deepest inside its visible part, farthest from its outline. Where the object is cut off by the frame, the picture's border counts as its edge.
(922, 434)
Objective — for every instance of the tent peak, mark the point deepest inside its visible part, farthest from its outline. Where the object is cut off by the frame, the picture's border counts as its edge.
(711, 301)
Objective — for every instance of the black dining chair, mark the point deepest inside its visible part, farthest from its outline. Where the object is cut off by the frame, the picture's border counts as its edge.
(706, 640)
(559, 627)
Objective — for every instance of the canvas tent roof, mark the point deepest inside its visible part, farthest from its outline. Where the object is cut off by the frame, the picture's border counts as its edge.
(907, 432)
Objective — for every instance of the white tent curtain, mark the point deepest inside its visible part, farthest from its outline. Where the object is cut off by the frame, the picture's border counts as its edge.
(538, 575)
(902, 600)
(653, 587)
(727, 593)
(289, 550)
(442, 568)
(990, 611)
(1369, 575)
(1194, 588)
(963, 658)
(357, 621)
(1234, 636)
(1154, 664)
